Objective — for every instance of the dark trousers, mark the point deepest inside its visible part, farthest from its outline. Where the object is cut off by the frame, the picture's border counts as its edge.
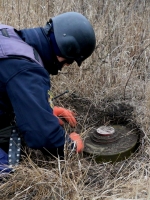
(5, 121)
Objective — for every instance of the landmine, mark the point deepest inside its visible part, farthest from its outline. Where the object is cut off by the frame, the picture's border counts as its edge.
(111, 143)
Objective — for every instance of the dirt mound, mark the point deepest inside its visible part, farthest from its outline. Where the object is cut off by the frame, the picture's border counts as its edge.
(106, 113)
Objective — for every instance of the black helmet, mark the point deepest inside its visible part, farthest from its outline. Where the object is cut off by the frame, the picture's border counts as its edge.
(74, 35)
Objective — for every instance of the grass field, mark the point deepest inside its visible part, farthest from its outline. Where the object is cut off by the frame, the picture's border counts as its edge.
(116, 78)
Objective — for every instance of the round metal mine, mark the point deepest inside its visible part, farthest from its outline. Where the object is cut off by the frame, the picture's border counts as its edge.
(111, 143)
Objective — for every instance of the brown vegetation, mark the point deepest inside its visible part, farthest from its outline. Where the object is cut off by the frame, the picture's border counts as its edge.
(112, 85)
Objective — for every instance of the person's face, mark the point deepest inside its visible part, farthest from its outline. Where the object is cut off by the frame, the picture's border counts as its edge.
(61, 59)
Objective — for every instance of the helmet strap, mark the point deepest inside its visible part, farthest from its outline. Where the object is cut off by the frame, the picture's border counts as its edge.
(48, 28)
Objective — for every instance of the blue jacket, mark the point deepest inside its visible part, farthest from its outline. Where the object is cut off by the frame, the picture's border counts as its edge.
(24, 86)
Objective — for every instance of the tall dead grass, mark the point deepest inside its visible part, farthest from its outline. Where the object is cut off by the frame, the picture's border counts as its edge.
(118, 71)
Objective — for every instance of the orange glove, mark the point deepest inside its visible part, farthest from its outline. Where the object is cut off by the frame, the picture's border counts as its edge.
(78, 140)
(68, 115)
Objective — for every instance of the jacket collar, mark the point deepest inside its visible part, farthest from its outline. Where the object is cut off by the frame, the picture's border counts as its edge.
(37, 38)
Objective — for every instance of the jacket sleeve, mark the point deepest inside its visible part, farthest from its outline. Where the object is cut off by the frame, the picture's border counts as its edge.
(28, 93)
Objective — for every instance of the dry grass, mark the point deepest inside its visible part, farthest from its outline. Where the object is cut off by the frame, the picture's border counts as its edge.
(116, 73)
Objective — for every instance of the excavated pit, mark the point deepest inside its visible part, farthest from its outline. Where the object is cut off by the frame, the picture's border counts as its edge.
(125, 140)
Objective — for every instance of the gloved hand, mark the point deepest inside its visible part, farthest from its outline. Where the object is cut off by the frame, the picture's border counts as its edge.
(78, 141)
(68, 115)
